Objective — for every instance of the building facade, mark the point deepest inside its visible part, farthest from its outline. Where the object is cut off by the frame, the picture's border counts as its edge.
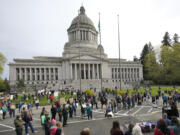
(83, 62)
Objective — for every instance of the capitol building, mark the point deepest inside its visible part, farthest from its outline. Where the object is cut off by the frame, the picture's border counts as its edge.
(83, 60)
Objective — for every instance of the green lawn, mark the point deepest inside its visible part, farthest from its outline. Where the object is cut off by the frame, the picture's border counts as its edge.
(154, 91)
(43, 100)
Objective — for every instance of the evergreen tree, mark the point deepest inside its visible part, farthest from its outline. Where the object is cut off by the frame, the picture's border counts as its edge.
(144, 53)
(146, 50)
(166, 40)
(176, 38)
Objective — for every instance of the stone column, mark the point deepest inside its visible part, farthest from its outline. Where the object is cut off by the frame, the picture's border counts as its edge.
(20, 74)
(35, 73)
(54, 74)
(82, 34)
(75, 71)
(50, 74)
(94, 74)
(25, 74)
(132, 77)
(71, 71)
(89, 73)
(97, 71)
(45, 75)
(30, 74)
(84, 71)
(114, 73)
(135, 73)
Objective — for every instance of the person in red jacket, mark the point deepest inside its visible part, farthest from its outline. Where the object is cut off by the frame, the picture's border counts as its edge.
(162, 128)
(53, 127)
(51, 98)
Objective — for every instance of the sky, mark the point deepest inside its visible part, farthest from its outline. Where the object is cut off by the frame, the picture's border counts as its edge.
(39, 27)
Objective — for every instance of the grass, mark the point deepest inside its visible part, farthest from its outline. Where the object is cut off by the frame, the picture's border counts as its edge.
(43, 100)
(154, 91)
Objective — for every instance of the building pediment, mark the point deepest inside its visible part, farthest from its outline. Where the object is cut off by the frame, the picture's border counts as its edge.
(85, 57)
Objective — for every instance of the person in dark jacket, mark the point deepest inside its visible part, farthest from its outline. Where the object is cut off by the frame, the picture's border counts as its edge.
(59, 128)
(130, 128)
(116, 126)
(174, 110)
(53, 112)
(70, 111)
(28, 122)
(47, 126)
(65, 115)
(59, 111)
(175, 126)
(18, 125)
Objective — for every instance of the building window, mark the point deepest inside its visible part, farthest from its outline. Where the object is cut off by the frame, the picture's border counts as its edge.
(33, 77)
(81, 34)
(42, 70)
(17, 70)
(28, 78)
(51, 70)
(56, 77)
(56, 70)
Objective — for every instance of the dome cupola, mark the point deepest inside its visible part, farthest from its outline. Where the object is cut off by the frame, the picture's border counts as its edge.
(82, 28)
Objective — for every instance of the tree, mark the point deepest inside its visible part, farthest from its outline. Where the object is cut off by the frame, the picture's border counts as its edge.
(165, 61)
(20, 84)
(175, 64)
(2, 85)
(176, 38)
(2, 62)
(166, 40)
(146, 50)
(170, 62)
(6, 83)
(151, 67)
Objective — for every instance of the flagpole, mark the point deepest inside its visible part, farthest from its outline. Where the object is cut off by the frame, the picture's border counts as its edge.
(100, 51)
(79, 54)
(119, 55)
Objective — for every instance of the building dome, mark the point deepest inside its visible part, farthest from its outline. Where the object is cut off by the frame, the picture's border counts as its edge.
(82, 20)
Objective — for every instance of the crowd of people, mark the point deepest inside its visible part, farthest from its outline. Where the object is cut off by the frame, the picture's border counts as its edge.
(162, 128)
(111, 102)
